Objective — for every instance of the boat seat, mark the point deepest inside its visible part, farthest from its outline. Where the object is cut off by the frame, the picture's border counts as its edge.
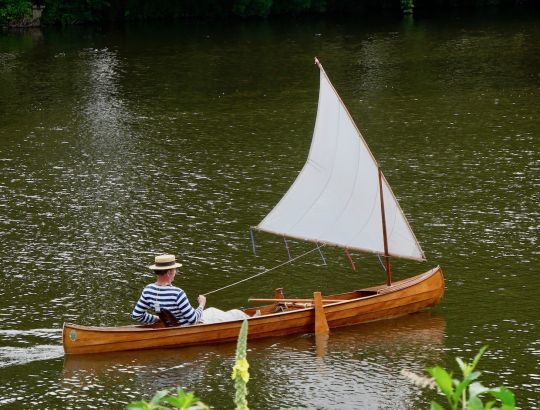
(167, 318)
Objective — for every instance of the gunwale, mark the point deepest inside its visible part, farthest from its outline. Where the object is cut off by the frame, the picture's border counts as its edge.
(379, 302)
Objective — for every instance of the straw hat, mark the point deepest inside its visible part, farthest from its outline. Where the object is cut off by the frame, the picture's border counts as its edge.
(165, 262)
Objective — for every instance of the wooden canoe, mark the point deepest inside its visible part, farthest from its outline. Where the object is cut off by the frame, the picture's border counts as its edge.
(366, 305)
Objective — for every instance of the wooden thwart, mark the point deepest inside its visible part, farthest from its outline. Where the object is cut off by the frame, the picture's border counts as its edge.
(294, 300)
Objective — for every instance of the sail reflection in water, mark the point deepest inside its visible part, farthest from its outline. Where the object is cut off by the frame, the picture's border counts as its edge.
(355, 366)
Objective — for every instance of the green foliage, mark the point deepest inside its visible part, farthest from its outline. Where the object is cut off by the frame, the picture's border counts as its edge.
(13, 10)
(465, 393)
(263, 8)
(240, 373)
(295, 6)
(168, 9)
(182, 400)
(407, 6)
(68, 12)
(250, 8)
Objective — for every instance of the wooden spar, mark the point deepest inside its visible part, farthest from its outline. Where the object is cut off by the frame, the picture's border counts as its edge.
(255, 300)
(321, 325)
(385, 238)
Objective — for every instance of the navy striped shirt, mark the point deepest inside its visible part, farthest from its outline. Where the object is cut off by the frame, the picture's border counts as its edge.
(169, 297)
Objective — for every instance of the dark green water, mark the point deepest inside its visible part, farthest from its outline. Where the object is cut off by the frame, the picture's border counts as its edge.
(119, 144)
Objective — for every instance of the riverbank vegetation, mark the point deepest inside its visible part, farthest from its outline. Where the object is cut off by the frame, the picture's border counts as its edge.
(68, 12)
(467, 392)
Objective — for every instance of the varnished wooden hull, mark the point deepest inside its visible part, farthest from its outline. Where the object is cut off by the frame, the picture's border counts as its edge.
(382, 302)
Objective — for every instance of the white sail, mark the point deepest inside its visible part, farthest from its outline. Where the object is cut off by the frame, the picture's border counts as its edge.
(336, 199)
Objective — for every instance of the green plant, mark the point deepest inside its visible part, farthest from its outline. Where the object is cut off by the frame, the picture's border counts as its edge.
(465, 393)
(13, 10)
(251, 8)
(407, 6)
(75, 12)
(240, 373)
(180, 400)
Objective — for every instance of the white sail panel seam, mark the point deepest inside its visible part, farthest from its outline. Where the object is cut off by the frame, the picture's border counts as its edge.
(329, 178)
(303, 171)
(374, 208)
(404, 217)
(344, 207)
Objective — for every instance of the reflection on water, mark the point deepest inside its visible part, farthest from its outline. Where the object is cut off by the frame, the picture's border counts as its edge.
(358, 361)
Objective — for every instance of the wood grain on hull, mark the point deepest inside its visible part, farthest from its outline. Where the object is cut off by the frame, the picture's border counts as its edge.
(382, 302)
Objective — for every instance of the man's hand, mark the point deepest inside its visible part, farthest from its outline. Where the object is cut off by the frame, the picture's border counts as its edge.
(202, 300)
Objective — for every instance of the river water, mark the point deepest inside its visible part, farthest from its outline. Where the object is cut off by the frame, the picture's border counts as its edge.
(117, 144)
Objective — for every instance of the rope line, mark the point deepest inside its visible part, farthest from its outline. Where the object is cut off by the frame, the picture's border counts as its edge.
(262, 273)
(382, 264)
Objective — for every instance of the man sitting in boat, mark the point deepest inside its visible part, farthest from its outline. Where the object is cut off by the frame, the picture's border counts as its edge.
(162, 295)
(163, 298)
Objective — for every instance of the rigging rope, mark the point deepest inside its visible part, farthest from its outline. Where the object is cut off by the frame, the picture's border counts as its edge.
(382, 264)
(262, 273)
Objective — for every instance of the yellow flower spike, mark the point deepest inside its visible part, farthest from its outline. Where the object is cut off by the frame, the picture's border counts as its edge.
(241, 369)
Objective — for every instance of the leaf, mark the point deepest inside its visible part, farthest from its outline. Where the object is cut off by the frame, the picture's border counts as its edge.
(158, 396)
(475, 404)
(436, 406)
(478, 356)
(175, 402)
(474, 375)
(182, 400)
(462, 365)
(190, 398)
(460, 387)
(138, 405)
(477, 388)
(506, 397)
(443, 379)
(489, 404)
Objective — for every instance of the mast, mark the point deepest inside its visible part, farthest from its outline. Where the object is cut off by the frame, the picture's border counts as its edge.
(385, 238)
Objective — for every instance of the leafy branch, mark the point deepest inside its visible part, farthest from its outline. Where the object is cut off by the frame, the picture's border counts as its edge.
(466, 393)
(180, 400)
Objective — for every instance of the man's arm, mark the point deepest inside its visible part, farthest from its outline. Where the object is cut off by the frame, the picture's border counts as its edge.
(140, 312)
(191, 315)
